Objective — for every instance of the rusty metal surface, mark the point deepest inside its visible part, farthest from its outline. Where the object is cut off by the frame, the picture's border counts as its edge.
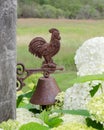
(23, 73)
(47, 88)
(46, 91)
(40, 48)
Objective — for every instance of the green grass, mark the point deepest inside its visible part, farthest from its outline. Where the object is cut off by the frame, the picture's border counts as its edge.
(73, 34)
(63, 79)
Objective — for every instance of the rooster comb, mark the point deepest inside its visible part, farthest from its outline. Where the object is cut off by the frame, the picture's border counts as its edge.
(52, 30)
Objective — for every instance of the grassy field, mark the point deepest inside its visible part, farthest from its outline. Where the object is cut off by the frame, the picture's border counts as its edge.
(73, 34)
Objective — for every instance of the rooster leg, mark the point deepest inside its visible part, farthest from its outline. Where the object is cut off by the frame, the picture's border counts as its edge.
(51, 63)
(46, 59)
(48, 62)
(45, 62)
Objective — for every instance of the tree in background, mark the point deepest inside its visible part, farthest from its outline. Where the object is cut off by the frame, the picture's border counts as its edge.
(72, 9)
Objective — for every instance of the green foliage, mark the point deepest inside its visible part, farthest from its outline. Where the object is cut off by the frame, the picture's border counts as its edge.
(63, 79)
(31, 82)
(33, 9)
(33, 126)
(28, 91)
(69, 8)
(75, 112)
(44, 116)
(94, 124)
(28, 9)
(50, 121)
(94, 90)
(54, 122)
(48, 11)
(21, 103)
(89, 121)
(73, 34)
(23, 100)
(83, 79)
(88, 12)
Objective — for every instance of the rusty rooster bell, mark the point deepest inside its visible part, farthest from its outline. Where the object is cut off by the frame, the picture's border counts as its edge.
(40, 48)
(47, 88)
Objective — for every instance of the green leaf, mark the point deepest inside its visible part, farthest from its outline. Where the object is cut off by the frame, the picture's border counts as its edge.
(94, 124)
(28, 106)
(28, 94)
(34, 110)
(51, 122)
(94, 90)
(75, 112)
(54, 122)
(44, 116)
(20, 97)
(83, 79)
(33, 126)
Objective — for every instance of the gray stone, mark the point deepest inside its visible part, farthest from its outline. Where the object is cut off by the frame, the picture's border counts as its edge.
(7, 59)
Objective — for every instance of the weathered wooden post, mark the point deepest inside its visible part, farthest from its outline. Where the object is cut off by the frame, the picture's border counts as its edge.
(7, 59)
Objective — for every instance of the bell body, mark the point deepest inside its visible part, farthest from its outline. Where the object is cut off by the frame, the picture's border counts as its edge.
(45, 92)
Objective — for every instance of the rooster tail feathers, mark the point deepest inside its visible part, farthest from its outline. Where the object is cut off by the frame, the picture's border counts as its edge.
(35, 46)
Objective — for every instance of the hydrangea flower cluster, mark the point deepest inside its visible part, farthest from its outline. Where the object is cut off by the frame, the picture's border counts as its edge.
(96, 108)
(9, 125)
(24, 116)
(68, 118)
(59, 100)
(77, 96)
(60, 96)
(73, 126)
(89, 57)
(89, 60)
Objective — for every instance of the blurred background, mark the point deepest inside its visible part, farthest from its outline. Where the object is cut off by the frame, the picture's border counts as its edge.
(70, 9)
(77, 21)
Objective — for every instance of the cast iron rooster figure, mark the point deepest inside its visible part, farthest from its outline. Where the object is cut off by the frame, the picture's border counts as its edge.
(40, 48)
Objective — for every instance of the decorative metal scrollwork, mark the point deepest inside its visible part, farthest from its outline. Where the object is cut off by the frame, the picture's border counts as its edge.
(21, 76)
(23, 73)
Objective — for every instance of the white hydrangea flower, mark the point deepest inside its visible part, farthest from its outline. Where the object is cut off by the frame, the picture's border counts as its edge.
(54, 114)
(24, 116)
(73, 126)
(60, 96)
(59, 100)
(77, 96)
(68, 118)
(9, 125)
(89, 58)
(96, 108)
